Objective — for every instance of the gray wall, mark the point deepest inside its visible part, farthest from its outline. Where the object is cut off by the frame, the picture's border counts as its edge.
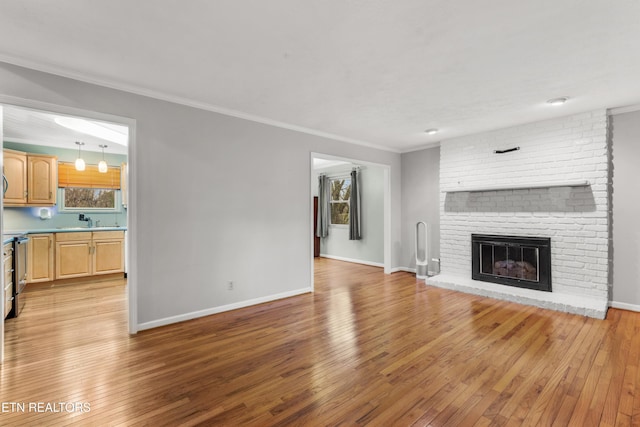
(218, 198)
(420, 202)
(626, 210)
(370, 249)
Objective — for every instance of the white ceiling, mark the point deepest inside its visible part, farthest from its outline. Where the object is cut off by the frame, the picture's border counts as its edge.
(28, 126)
(376, 72)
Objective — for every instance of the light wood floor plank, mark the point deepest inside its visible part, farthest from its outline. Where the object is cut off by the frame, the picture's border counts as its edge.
(364, 349)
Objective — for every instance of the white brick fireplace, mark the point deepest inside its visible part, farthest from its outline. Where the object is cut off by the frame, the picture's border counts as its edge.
(556, 185)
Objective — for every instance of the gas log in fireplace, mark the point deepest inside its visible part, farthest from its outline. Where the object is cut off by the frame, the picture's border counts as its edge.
(524, 262)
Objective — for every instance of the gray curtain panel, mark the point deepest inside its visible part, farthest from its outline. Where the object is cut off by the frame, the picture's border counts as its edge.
(322, 226)
(355, 232)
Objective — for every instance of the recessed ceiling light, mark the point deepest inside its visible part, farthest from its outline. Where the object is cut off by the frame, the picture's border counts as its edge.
(558, 101)
(431, 131)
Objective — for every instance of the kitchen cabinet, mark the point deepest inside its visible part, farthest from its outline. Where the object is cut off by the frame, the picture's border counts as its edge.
(31, 179)
(15, 173)
(108, 252)
(42, 181)
(40, 258)
(73, 255)
(7, 252)
(80, 254)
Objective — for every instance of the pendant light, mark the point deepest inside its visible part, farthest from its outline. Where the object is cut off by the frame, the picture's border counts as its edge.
(102, 165)
(79, 161)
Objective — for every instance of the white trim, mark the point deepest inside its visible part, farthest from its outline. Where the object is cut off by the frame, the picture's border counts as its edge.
(312, 222)
(624, 306)
(407, 269)
(220, 309)
(183, 101)
(413, 271)
(338, 225)
(387, 219)
(622, 110)
(132, 221)
(2, 227)
(353, 260)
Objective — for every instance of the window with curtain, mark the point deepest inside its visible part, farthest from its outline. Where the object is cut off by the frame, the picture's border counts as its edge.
(340, 194)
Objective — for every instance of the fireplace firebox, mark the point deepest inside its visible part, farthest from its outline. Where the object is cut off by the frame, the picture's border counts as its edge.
(519, 261)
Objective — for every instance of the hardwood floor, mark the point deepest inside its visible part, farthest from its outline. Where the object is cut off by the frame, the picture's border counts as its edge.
(364, 349)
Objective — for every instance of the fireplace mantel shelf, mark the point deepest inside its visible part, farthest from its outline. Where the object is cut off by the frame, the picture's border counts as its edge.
(500, 187)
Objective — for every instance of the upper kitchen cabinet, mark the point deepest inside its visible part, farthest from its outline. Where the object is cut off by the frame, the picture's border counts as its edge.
(31, 179)
(41, 180)
(15, 175)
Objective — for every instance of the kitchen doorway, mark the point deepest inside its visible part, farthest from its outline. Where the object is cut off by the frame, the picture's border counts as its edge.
(37, 128)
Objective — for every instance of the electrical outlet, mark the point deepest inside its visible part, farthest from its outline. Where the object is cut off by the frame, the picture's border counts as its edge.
(230, 285)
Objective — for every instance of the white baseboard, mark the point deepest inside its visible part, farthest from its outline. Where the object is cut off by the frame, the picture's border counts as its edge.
(221, 309)
(624, 306)
(356, 261)
(407, 269)
(413, 270)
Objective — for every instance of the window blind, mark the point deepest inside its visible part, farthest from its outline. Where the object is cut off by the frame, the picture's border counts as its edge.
(68, 176)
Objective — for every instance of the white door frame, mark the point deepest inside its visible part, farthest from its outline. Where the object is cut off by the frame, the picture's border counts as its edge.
(131, 261)
(387, 205)
(2, 313)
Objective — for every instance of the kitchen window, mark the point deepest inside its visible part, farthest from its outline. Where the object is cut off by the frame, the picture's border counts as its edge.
(88, 198)
(339, 202)
(89, 189)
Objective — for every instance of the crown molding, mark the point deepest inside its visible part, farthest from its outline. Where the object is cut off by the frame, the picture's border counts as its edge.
(422, 147)
(622, 110)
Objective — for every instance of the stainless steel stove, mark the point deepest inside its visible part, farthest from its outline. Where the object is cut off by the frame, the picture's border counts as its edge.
(20, 242)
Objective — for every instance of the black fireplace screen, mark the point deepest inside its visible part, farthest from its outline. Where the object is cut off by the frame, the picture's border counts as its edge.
(512, 260)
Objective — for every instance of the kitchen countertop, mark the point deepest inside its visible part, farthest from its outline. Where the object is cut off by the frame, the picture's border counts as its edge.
(60, 230)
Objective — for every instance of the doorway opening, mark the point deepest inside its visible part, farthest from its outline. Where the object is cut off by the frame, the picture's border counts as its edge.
(375, 246)
(30, 129)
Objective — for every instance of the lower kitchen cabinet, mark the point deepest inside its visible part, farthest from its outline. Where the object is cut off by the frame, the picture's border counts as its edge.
(73, 255)
(40, 258)
(7, 252)
(80, 254)
(108, 254)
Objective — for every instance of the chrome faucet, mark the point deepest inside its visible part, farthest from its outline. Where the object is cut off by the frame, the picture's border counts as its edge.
(82, 217)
